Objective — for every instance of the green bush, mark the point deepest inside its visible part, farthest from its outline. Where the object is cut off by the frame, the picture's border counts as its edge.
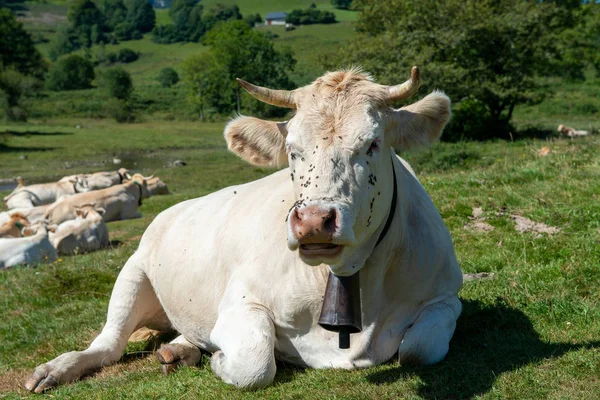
(15, 86)
(310, 16)
(120, 110)
(117, 82)
(127, 55)
(471, 119)
(70, 73)
(168, 77)
(126, 31)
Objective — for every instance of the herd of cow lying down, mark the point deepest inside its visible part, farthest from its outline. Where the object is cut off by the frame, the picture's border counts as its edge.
(69, 216)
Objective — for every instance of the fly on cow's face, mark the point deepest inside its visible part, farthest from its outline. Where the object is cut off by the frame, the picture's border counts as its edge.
(373, 147)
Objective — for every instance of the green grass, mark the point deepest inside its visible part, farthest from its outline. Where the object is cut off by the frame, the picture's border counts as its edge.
(530, 333)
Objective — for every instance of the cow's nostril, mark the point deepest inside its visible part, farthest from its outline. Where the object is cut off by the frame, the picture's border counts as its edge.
(329, 223)
(298, 215)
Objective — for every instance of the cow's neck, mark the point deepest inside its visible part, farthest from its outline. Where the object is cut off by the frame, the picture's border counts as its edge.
(392, 211)
(139, 187)
(373, 274)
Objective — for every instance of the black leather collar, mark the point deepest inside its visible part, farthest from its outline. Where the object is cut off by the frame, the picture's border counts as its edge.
(120, 177)
(140, 187)
(390, 218)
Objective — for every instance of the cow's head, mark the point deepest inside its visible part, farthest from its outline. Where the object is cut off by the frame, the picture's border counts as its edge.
(338, 145)
(90, 211)
(141, 181)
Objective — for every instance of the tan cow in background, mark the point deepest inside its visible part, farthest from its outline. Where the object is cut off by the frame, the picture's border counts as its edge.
(12, 228)
(156, 186)
(119, 202)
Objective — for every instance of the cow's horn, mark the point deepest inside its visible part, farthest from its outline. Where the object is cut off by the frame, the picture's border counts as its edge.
(128, 176)
(147, 178)
(406, 89)
(279, 98)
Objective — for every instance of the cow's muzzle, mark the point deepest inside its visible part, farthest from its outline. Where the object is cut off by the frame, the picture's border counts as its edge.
(315, 228)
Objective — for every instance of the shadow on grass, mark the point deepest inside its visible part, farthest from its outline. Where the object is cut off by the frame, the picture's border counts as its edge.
(9, 149)
(488, 341)
(34, 133)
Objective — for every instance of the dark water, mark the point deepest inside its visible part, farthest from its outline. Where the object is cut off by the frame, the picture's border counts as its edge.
(7, 186)
(143, 162)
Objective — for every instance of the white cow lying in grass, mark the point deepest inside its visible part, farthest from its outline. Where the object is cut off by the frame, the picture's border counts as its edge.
(42, 193)
(241, 273)
(99, 180)
(33, 249)
(87, 232)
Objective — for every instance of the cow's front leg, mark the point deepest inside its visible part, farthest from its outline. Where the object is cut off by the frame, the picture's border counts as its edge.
(426, 342)
(245, 336)
(177, 353)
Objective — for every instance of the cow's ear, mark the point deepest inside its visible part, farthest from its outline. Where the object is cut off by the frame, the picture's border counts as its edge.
(100, 210)
(420, 123)
(259, 142)
(80, 212)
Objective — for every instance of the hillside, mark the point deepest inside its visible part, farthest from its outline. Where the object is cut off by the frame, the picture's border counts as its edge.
(577, 104)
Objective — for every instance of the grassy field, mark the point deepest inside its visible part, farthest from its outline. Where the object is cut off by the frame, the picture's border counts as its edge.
(530, 332)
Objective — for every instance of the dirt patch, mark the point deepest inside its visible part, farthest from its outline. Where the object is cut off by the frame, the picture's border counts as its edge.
(523, 224)
(477, 222)
(13, 381)
(478, 276)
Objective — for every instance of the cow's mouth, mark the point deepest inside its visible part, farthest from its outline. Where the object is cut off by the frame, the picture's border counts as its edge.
(320, 249)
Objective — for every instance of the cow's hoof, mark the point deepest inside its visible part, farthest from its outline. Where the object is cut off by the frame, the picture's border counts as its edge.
(41, 380)
(172, 356)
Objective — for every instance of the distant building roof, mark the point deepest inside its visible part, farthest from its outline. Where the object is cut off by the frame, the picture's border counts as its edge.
(276, 15)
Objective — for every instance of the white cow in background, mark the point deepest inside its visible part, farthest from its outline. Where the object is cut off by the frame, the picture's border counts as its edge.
(87, 232)
(118, 202)
(99, 180)
(241, 273)
(34, 249)
(42, 193)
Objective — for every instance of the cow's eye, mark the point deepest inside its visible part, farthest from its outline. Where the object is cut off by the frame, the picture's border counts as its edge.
(373, 147)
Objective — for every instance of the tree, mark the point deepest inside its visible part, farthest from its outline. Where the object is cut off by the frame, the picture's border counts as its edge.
(237, 51)
(209, 84)
(253, 19)
(87, 26)
(342, 4)
(310, 16)
(21, 66)
(167, 77)
(114, 11)
(17, 50)
(14, 86)
(127, 56)
(70, 72)
(141, 14)
(486, 55)
(191, 21)
(117, 82)
(83, 15)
